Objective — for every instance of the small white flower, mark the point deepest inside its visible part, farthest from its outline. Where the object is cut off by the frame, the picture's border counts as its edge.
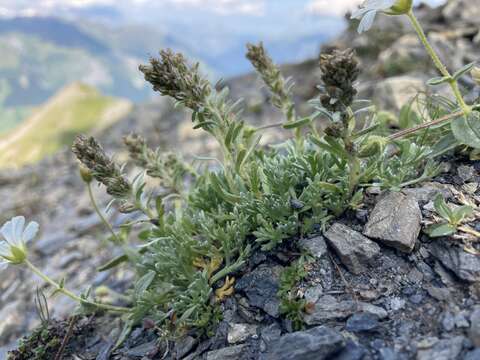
(369, 9)
(13, 247)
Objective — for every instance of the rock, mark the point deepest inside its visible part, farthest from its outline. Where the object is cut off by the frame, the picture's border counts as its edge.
(184, 346)
(387, 354)
(447, 349)
(472, 355)
(441, 294)
(397, 303)
(466, 266)
(428, 192)
(461, 320)
(354, 250)
(462, 10)
(474, 332)
(314, 344)
(315, 246)
(448, 321)
(328, 308)
(405, 55)
(261, 287)
(269, 335)
(395, 221)
(143, 349)
(229, 353)
(240, 332)
(313, 294)
(394, 92)
(466, 173)
(362, 322)
(49, 244)
(351, 351)
(416, 298)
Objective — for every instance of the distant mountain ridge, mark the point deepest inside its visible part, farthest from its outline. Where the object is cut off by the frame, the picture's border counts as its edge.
(53, 30)
(75, 108)
(40, 55)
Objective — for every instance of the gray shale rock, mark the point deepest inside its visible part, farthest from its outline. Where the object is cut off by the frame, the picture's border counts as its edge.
(474, 332)
(328, 308)
(396, 91)
(362, 322)
(229, 353)
(428, 192)
(238, 333)
(466, 266)
(315, 246)
(261, 287)
(353, 249)
(447, 349)
(314, 344)
(395, 221)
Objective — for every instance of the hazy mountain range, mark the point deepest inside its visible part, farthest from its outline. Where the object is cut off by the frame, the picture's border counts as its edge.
(41, 54)
(47, 44)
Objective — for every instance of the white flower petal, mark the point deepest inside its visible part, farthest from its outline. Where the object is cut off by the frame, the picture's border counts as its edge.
(4, 249)
(3, 265)
(8, 232)
(357, 14)
(30, 231)
(367, 21)
(378, 4)
(18, 226)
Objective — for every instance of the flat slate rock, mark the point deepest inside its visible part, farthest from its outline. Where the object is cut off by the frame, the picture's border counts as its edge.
(317, 343)
(261, 287)
(228, 353)
(395, 221)
(354, 250)
(466, 266)
(329, 308)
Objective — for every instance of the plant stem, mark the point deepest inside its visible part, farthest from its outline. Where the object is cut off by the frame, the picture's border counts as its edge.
(438, 63)
(412, 130)
(469, 230)
(70, 294)
(269, 126)
(353, 160)
(100, 214)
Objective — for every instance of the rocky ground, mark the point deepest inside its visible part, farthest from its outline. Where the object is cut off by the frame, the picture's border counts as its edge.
(373, 298)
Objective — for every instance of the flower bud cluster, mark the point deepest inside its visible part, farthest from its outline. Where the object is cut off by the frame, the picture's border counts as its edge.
(103, 169)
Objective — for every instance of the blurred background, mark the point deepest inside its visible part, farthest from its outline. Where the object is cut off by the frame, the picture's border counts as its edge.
(61, 49)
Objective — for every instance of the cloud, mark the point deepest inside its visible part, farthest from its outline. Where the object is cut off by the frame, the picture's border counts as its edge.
(225, 7)
(328, 7)
(340, 7)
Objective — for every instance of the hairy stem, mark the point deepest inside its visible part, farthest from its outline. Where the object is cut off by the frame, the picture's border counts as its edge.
(426, 125)
(99, 213)
(70, 294)
(438, 63)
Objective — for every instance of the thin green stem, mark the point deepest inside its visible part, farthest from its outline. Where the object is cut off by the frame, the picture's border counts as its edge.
(354, 161)
(100, 214)
(438, 63)
(70, 294)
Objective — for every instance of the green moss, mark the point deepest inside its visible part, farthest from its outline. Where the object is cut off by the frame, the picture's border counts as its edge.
(44, 342)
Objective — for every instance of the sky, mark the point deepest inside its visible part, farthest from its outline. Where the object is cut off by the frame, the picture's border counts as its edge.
(220, 7)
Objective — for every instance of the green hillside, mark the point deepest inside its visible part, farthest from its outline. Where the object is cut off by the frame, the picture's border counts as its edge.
(76, 108)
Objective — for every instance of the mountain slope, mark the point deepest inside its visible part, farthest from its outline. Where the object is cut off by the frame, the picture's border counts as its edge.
(76, 108)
